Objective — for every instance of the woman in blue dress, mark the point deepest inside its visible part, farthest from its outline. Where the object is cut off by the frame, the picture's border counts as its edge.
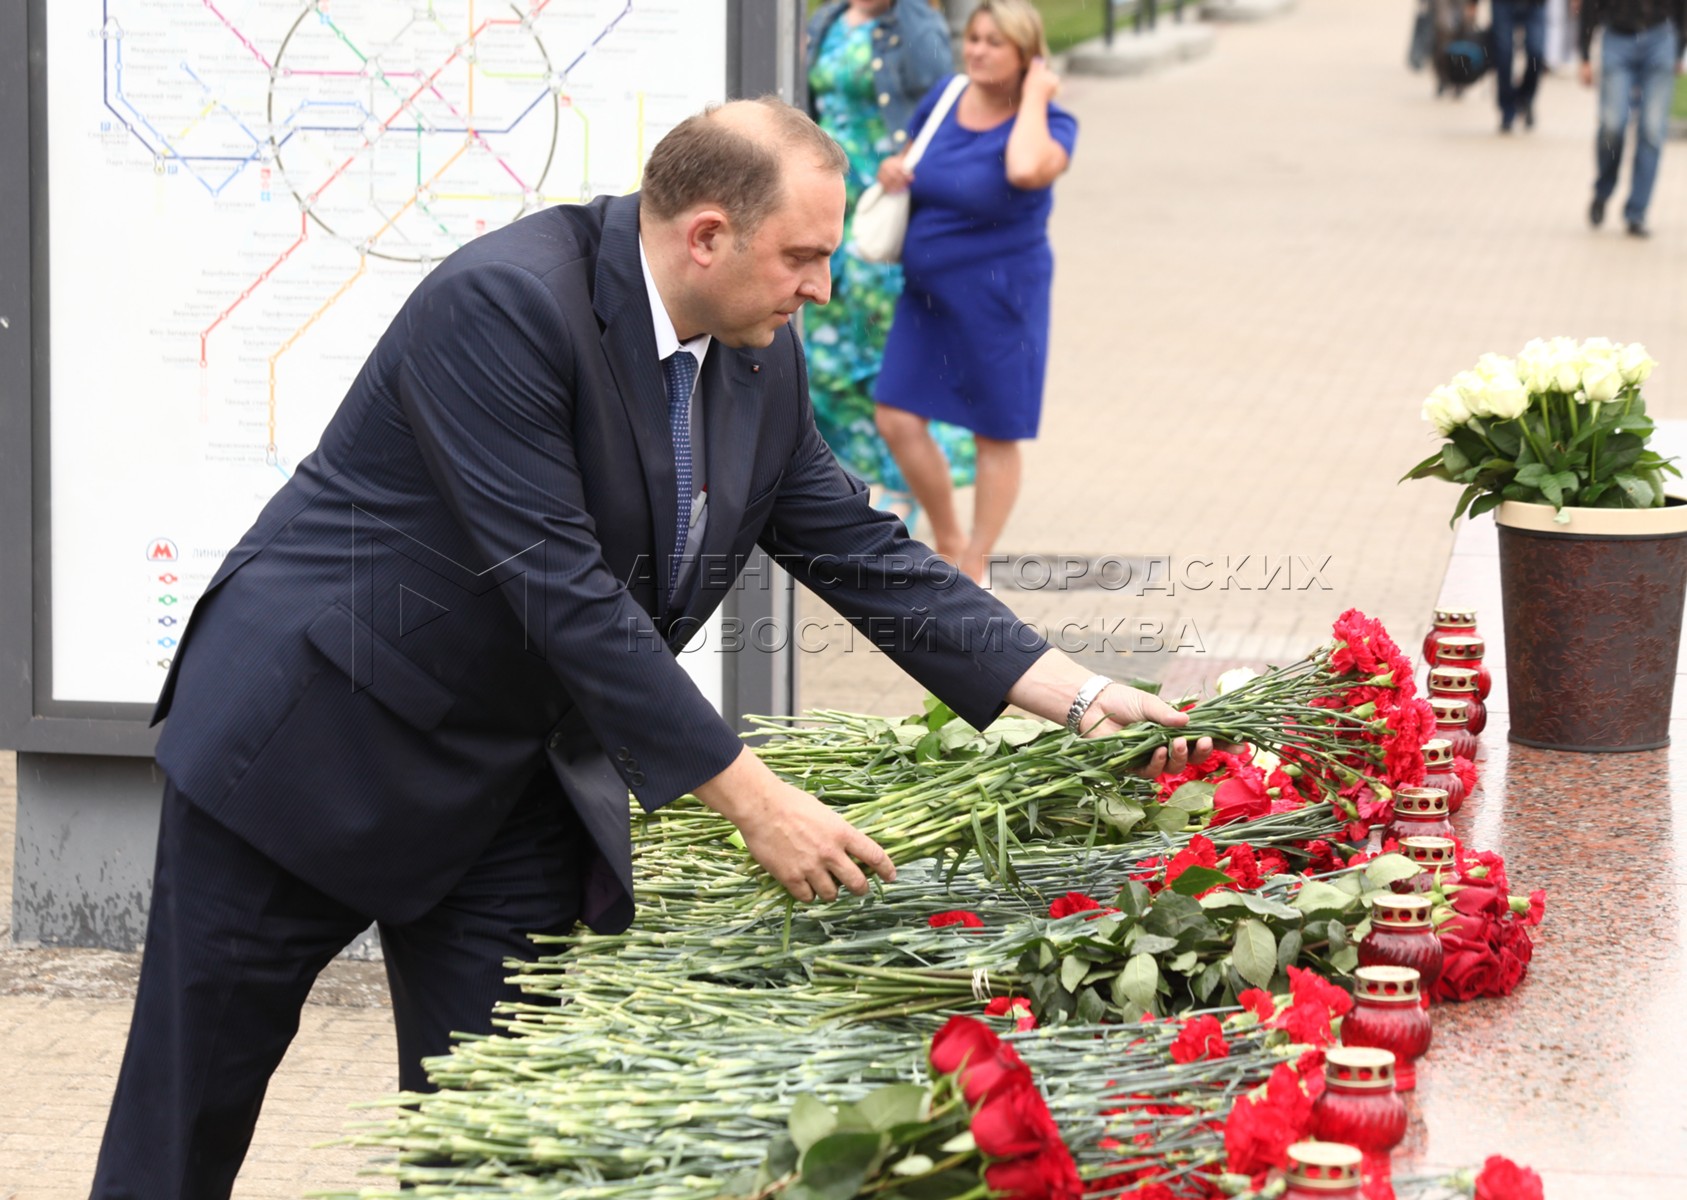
(969, 341)
(869, 63)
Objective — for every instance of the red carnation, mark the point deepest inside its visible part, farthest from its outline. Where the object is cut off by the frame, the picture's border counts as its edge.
(1260, 1129)
(1073, 902)
(1017, 1007)
(1259, 1002)
(956, 916)
(1242, 866)
(1200, 1038)
(1502, 1179)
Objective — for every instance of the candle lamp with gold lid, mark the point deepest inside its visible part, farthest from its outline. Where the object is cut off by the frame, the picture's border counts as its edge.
(1359, 1106)
(1438, 772)
(1401, 935)
(1466, 651)
(1420, 812)
(1452, 722)
(1323, 1171)
(1436, 859)
(1459, 683)
(1449, 622)
(1388, 1014)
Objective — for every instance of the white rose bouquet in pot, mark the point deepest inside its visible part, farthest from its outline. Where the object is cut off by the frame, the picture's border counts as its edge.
(1593, 555)
(1563, 423)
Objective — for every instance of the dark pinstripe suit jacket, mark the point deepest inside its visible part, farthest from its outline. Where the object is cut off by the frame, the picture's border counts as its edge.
(459, 588)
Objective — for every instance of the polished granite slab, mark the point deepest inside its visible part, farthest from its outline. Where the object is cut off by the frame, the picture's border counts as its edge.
(1580, 1073)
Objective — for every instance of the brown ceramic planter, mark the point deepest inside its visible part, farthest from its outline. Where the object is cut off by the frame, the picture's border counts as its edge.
(1592, 623)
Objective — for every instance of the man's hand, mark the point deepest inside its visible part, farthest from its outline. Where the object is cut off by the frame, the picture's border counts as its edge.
(1048, 688)
(1585, 72)
(1119, 705)
(894, 175)
(801, 842)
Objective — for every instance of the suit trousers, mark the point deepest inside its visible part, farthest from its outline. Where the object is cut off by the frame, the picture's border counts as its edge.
(233, 945)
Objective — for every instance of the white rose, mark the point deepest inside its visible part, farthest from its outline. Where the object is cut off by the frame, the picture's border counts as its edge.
(1634, 363)
(1491, 365)
(1265, 760)
(1602, 377)
(1531, 366)
(1235, 678)
(1473, 389)
(1507, 398)
(1563, 365)
(1445, 409)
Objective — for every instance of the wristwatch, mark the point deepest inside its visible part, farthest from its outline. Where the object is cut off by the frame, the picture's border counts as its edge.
(1081, 702)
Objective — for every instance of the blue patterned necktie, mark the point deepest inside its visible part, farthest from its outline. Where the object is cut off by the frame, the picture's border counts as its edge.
(680, 371)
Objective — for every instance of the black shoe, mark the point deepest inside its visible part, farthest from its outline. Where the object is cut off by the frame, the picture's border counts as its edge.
(1596, 212)
(1638, 229)
(1529, 117)
(1505, 124)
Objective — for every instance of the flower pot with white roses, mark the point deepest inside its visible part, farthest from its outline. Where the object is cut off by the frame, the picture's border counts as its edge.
(1593, 552)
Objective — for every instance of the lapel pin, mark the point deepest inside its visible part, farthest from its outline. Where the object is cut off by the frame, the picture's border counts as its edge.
(755, 368)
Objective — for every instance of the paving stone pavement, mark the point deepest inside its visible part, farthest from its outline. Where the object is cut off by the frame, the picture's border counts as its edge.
(1265, 259)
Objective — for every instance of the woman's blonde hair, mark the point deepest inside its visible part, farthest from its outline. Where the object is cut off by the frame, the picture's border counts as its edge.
(1020, 23)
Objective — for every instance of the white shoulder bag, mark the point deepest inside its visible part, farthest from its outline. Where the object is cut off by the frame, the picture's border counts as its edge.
(881, 218)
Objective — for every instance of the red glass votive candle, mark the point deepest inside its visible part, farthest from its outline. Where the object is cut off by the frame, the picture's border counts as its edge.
(1466, 651)
(1420, 812)
(1388, 1014)
(1448, 622)
(1401, 936)
(1460, 683)
(1323, 1171)
(1359, 1106)
(1438, 771)
(1452, 722)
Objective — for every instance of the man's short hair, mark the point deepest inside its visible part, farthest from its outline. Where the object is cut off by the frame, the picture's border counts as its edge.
(707, 160)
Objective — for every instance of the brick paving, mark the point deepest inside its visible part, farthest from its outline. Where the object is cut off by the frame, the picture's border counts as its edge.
(1265, 258)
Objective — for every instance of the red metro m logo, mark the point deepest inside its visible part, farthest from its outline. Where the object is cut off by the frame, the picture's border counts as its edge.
(162, 550)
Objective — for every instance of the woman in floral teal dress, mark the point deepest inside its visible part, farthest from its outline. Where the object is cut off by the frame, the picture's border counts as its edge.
(869, 61)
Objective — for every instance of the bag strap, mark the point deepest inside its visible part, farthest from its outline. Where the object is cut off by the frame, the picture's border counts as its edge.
(957, 85)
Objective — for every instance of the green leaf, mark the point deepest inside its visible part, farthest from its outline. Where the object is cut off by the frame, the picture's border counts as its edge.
(929, 748)
(1255, 952)
(1167, 819)
(1208, 980)
(1389, 868)
(1153, 943)
(1138, 981)
(1426, 468)
(1465, 497)
(1186, 962)
(955, 734)
(1177, 916)
(1288, 949)
(1316, 896)
(1485, 502)
(1454, 459)
(1072, 972)
(781, 1157)
(938, 714)
(1120, 814)
(1507, 438)
(1531, 474)
(1345, 960)
(1193, 797)
(1336, 933)
(1635, 490)
(897, 1104)
(1092, 1009)
(1198, 879)
(810, 1121)
(836, 1166)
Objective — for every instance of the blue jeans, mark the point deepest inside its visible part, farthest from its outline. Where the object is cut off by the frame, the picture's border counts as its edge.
(1510, 16)
(1643, 65)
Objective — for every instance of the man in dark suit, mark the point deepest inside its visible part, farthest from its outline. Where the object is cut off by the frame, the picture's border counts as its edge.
(420, 688)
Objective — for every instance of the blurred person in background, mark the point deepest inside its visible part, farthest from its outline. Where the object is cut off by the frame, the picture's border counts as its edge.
(969, 342)
(869, 63)
(1517, 97)
(1639, 58)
